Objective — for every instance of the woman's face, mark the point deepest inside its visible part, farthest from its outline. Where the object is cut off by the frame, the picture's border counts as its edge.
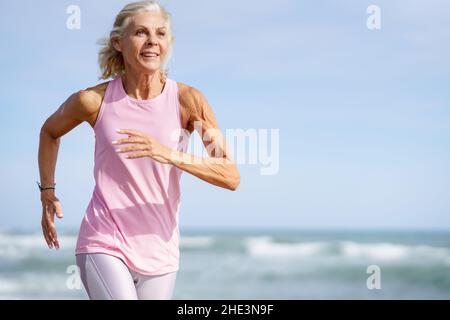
(146, 33)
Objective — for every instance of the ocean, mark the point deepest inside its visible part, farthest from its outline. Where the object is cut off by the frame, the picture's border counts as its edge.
(265, 264)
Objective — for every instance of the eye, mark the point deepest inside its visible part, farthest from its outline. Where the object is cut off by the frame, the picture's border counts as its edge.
(162, 34)
(140, 31)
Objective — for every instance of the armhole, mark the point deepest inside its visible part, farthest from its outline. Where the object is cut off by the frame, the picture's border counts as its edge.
(178, 106)
(180, 113)
(101, 108)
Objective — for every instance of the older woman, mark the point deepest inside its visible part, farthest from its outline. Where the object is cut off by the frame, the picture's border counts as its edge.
(128, 242)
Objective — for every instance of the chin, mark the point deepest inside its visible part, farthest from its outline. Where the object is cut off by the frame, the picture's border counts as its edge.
(150, 69)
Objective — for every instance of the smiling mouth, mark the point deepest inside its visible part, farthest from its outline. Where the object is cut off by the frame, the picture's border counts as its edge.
(148, 55)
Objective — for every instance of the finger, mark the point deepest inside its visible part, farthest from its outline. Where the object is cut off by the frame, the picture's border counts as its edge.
(50, 224)
(44, 225)
(131, 132)
(134, 139)
(57, 243)
(58, 209)
(49, 242)
(53, 235)
(46, 234)
(133, 148)
(136, 155)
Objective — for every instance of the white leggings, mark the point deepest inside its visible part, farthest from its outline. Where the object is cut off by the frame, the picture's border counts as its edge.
(106, 277)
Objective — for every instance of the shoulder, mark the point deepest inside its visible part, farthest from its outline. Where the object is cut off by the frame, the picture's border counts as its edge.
(190, 96)
(90, 98)
(195, 106)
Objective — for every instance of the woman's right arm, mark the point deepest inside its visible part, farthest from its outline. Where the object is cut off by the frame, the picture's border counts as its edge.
(79, 107)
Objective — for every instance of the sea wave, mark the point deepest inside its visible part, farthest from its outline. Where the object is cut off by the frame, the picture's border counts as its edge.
(265, 246)
(394, 252)
(347, 250)
(196, 242)
(20, 246)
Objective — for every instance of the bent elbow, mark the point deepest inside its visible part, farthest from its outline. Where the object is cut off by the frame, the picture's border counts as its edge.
(234, 183)
(45, 133)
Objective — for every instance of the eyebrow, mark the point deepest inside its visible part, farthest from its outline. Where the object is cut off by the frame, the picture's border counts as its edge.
(141, 26)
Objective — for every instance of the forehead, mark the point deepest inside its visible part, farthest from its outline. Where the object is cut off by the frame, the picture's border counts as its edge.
(151, 20)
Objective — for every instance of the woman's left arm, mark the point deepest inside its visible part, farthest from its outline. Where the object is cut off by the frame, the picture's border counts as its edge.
(219, 168)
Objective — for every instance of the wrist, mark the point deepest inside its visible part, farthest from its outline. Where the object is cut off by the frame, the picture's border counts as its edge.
(46, 187)
(166, 154)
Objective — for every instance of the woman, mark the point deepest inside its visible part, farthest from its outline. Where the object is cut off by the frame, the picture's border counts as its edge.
(128, 242)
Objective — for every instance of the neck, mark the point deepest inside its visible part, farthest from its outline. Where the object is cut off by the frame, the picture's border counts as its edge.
(143, 86)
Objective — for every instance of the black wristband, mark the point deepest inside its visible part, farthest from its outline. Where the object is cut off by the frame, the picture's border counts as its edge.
(45, 188)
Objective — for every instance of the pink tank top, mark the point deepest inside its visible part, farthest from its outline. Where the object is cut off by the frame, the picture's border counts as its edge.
(134, 209)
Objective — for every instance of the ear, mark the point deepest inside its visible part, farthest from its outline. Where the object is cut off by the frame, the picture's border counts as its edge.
(116, 44)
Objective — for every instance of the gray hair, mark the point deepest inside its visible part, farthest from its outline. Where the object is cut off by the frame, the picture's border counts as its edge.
(109, 59)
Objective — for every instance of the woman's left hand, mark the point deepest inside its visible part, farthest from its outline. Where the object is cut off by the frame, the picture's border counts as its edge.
(145, 146)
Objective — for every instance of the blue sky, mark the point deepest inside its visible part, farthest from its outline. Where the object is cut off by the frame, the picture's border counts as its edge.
(363, 115)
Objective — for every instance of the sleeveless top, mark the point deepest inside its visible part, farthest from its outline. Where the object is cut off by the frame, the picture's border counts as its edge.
(134, 210)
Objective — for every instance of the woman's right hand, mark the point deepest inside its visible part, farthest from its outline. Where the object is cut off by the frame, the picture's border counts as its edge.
(50, 207)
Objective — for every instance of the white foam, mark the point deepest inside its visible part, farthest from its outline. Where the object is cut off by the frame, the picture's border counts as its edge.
(264, 246)
(18, 246)
(379, 251)
(348, 251)
(393, 252)
(8, 286)
(196, 242)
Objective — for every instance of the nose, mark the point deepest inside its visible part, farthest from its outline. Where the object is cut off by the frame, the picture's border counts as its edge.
(150, 40)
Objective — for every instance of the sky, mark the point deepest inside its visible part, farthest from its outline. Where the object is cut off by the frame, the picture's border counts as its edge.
(362, 115)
